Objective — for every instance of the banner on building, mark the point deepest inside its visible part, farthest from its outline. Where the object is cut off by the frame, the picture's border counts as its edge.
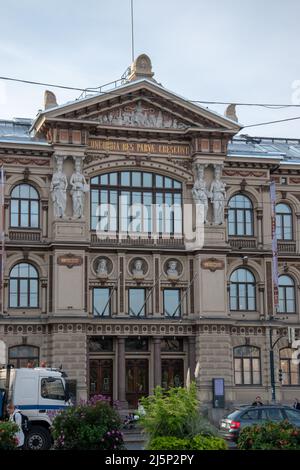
(2, 237)
(274, 245)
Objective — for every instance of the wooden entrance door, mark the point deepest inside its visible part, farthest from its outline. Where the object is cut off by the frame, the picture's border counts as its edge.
(101, 377)
(172, 374)
(136, 381)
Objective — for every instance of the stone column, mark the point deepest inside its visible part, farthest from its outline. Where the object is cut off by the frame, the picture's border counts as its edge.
(192, 355)
(121, 372)
(259, 218)
(157, 362)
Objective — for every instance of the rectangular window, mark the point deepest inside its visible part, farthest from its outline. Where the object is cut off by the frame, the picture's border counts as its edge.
(136, 300)
(101, 302)
(172, 306)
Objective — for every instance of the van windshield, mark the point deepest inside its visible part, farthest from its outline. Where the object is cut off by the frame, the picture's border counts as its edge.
(52, 389)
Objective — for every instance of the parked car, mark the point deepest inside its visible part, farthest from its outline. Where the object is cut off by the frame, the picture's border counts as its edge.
(231, 425)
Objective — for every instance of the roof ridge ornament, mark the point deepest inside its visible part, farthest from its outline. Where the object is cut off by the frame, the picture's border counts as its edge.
(230, 112)
(49, 100)
(141, 68)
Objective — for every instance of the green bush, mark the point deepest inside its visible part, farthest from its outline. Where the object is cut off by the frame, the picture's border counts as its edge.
(174, 413)
(207, 443)
(270, 436)
(88, 426)
(168, 443)
(8, 441)
(197, 443)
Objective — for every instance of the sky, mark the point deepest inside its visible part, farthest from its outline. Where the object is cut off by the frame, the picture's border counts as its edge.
(212, 50)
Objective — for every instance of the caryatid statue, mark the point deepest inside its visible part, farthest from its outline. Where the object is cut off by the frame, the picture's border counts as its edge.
(200, 192)
(79, 187)
(58, 189)
(218, 196)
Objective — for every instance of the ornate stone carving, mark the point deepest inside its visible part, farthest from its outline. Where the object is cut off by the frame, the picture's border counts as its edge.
(173, 269)
(138, 268)
(200, 192)
(139, 115)
(58, 189)
(218, 196)
(79, 188)
(103, 267)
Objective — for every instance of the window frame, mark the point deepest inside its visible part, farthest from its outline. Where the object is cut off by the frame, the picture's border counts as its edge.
(243, 211)
(155, 192)
(28, 279)
(18, 359)
(242, 370)
(282, 216)
(144, 311)
(285, 300)
(30, 214)
(109, 305)
(246, 284)
(180, 309)
(288, 361)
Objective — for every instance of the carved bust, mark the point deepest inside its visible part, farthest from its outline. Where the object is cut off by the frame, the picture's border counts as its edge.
(102, 267)
(138, 268)
(172, 268)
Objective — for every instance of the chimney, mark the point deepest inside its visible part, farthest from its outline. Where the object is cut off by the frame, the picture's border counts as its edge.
(49, 100)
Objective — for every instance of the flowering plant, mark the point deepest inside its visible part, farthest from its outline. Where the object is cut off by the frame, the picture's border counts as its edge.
(91, 425)
(8, 440)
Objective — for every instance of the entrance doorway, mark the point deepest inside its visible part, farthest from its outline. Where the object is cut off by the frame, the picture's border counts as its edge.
(172, 374)
(136, 381)
(101, 377)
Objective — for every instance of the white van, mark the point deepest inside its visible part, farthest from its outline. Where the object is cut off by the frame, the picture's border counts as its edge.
(37, 392)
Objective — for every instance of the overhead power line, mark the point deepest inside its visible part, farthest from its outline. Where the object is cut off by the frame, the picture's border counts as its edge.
(97, 89)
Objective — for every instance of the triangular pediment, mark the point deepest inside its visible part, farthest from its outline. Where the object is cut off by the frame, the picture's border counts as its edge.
(141, 114)
(140, 104)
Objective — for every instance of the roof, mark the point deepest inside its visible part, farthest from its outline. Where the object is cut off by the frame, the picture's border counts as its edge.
(130, 86)
(17, 130)
(285, 150)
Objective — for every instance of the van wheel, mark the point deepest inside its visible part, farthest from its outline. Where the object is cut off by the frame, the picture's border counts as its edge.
(38, 438)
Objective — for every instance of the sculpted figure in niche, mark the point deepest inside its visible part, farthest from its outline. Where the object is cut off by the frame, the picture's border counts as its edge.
(200, 192)
(138, 268)
(218, 195)
(79, 187)
(172, 269)
(102, 269)
(58, 189)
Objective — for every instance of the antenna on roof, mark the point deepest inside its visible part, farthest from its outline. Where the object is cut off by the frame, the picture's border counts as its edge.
(132, 32)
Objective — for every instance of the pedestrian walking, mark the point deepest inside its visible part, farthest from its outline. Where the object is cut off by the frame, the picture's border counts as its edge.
(16, 416)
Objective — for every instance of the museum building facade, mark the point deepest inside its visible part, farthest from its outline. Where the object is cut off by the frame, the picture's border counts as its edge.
(103, 278)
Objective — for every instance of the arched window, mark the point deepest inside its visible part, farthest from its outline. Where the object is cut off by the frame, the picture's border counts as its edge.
(290, 369)
(124, 202)
(287, 300)
(240, 216)
(284, 222)
(23, 286)
(242, 290)
(24, 207)
(23, 356)
(247, 365)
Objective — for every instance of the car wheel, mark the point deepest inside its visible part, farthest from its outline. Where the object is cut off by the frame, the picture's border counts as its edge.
(38, 438)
